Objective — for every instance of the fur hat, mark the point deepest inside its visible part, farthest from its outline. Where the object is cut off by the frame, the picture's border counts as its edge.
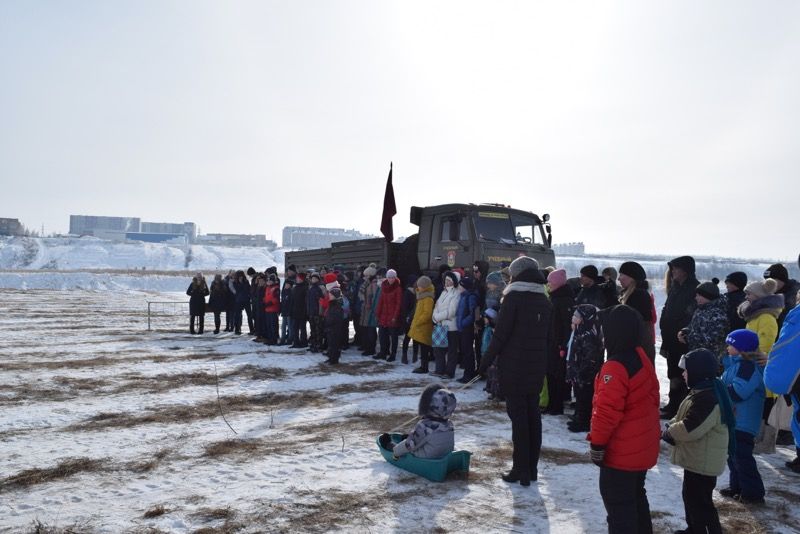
(739, 279)
(634, 270)
(371, 270)
(777, 272)
(762, 289)
(467, 283)
(523, 263)
(557, 279)
(590, 271)
(709, 290)
(743, 340)
(453, 276)
(424, 282)
(391, 273)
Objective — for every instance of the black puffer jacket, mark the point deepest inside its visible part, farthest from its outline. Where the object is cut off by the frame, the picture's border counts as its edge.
(561, 321)
(678, 310)
(519, 343)
(733, 300)
(299, 306)
(197, 298)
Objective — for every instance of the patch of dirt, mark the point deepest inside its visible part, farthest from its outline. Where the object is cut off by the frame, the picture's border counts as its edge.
(168, 382)
(361, 368)
(156, 511)
(100, 361)
(145, 466)
(374, 385)
(37, 527)
(209, 409)
(64, 469)
(246, 450)
(214, 514)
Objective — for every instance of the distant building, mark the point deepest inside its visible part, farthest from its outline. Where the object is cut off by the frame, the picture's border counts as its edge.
(103, 227)
(309, 237)
(570, 249)
(10, 227)
(189, 229)
(237, 240)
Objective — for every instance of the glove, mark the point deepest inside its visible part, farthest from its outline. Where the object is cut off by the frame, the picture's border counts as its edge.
(666, 436)
(598, 454)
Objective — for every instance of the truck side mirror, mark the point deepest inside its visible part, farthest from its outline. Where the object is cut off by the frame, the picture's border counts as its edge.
(549, 233)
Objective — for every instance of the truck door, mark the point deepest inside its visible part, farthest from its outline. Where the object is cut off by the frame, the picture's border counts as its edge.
(450, 241)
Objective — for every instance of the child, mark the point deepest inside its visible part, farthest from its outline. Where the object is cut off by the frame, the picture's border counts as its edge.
(492, 382)
(272, 309)
(744, 379)
(584, 359)
(334, 319)
(701, 433)
(433, 436)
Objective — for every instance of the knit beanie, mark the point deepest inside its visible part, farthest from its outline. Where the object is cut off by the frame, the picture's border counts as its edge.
(371, 270)
(291, 269)
(778, 272)
(762, 289)
(743, 340)
(424, 282)
(331, 281)
(466, 283)
(314, 275)
(700, 364)
(590, 271)
(709, 290)
(391, 273)
(739, 279)
(523, 263)
(634, 270)
(495, 278)
(557, 279)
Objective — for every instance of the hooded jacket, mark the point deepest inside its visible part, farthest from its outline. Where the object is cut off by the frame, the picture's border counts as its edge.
(762, 318)
(444, 312)
(678, 309)
(197, 297)
(433, 436)
(709, 326)
(421, 329)
(782, 373)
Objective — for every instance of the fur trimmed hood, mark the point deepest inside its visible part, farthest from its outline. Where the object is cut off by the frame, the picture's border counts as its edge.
(437, 402)
(771, 304)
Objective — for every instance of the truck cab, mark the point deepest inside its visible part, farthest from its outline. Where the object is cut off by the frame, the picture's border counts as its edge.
(460, 234)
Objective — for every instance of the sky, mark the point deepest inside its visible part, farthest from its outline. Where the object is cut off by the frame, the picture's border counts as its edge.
(652, 127)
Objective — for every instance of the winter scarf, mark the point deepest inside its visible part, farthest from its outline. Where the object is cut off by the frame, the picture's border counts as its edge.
(531, 287)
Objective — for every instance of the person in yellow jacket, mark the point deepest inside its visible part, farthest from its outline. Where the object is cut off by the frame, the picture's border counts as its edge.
(422, 324)
(761, 309)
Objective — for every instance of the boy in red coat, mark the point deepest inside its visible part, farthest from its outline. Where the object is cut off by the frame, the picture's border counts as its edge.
(625, 430)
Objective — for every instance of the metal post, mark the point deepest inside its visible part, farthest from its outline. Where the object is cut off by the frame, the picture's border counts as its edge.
(148, 315)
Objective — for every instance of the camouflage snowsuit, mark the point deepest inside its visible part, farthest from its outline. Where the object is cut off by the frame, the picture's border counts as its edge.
(708, 327)
(433, 436)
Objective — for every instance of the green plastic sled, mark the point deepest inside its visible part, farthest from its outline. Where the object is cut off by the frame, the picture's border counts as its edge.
(435, 470)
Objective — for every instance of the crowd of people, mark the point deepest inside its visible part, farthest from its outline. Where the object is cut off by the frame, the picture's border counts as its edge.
(545, 341)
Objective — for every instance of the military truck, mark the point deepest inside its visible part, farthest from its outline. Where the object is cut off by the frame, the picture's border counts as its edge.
(452, 234)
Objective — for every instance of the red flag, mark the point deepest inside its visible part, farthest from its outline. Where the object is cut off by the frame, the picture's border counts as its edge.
(389, 209)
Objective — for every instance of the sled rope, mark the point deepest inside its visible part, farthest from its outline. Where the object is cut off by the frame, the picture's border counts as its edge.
(414, 419)
(219, 404)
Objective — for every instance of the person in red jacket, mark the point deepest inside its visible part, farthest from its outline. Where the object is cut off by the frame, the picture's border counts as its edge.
(388, 313)
(625, 429)
(272, 308)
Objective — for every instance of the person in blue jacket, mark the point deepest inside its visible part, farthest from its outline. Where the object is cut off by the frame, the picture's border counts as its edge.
(465, 322)
(782, 373)
(743, 377)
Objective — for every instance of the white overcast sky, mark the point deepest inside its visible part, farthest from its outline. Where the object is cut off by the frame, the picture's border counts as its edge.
(666, 127)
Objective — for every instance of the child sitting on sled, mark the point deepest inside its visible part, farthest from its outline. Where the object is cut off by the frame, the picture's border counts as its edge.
(433, 436)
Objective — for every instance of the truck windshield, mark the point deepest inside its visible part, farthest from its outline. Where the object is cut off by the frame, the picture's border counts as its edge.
(493, 226)
(526, 229)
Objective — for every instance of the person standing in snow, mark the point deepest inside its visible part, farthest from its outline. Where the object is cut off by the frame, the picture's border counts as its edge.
(734, 285)
(636, 294)
(519, 351)
(390, 324)
(300, 312)
(217, 300)
(444, 313)
(625, 432)
(584, 358)
(560, 331)
(675, 315)
(421, 329)
(787, 287)
(709, 323)
(198, 290)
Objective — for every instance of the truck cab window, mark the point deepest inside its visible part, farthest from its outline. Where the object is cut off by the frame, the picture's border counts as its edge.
(453, 230)
(527, 230)
(494, 227)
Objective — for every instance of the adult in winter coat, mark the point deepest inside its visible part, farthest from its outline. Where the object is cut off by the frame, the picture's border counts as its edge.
(592, 290)
(735, 284)
(676, 314)
(370, 294)
(444, 313)
(519, 350)
(258, 288)
(197, 302)
(300, 312)
(465, 321)
(636, 294)
(313, 298)
(390, 325)
(434, 435)
(560, 331)
(701, 432)
(421, 328)
(217, 300)
(241, 296)
(625, 431)
(709, 324)
(782, 373)
(787, 287)
(286, 312)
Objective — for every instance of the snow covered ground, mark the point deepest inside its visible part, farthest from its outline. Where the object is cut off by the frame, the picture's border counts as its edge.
(108, 427)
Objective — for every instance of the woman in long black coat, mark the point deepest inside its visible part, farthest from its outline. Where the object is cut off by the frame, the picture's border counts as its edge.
(519, 349)
(198, 290)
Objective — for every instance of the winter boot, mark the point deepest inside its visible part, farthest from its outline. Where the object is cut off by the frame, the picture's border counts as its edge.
(415, 353)
(422, 369)
(404, 358)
